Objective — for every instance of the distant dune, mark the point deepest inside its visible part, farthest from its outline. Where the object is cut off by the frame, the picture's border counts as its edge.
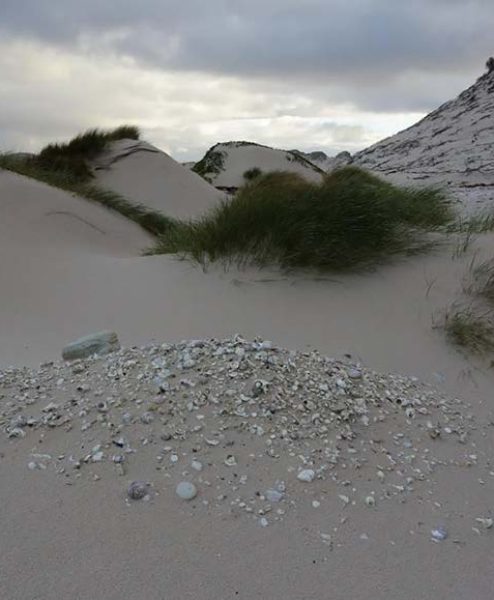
(225, 165)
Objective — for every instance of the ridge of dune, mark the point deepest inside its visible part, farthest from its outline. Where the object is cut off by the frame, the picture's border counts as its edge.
(146, 175)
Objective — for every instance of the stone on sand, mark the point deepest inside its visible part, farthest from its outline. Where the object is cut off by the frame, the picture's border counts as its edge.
(102, 342)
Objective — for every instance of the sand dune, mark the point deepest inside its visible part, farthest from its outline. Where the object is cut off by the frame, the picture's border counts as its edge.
(36, 219)
(225, 164)
(146, 175)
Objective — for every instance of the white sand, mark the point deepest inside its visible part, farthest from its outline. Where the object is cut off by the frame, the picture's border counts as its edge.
(239, 157)
(148, 176)
(69, 268)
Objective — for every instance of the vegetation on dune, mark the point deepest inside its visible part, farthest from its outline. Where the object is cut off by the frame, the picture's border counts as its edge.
(470, 331)
(211, 164)
(251, 174)
(68, 162)
(471, 325)
(482, 285)
(351, 219)
(73, 158)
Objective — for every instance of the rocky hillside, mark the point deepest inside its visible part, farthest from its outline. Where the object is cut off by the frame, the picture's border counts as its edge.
(453, 144)
(325, 162)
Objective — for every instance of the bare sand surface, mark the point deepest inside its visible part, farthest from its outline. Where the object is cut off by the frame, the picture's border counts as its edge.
(68, 272)
(146, 175)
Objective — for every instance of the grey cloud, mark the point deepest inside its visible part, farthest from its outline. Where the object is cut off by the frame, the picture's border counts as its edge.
(363, 39)
(292, 57)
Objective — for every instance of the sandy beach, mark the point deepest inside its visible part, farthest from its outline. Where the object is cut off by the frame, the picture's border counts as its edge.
(71, 531)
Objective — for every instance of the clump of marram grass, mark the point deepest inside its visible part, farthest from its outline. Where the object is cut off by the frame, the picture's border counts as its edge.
(351, 219)
(73, 158)
(481, 281)
(468, 228)
(251, 174)
(470, 331)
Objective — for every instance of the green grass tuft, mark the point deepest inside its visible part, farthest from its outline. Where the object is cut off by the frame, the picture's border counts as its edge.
(352, 219)
(253, 173)
(482, 284)
(73, 158)
(470, 331)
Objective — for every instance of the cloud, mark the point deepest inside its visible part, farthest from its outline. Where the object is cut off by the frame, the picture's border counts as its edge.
(50, 96)
(358, 39)
(330, 74)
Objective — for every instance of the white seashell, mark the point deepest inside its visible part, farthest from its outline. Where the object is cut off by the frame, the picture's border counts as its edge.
(196, 465)
(439, 534)
(306, 475)
(147, 418)
(370, 501)
(17, 432)
(487, 523)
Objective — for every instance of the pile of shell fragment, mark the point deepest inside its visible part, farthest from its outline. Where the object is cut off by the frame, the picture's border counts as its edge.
(232, 426)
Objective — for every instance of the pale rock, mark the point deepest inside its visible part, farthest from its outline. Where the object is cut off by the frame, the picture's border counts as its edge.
(103, 342)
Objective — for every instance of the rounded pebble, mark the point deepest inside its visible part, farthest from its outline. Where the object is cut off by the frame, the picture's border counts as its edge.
(186, 490)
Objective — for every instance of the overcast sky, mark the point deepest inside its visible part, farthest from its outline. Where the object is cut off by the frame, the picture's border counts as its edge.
(326, 75)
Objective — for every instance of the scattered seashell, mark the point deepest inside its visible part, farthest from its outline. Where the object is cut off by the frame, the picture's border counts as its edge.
(147, 418)
(306, 475)
(274, 496)
(439, 534)
(230, 461)
(487, 523)
(138, 490)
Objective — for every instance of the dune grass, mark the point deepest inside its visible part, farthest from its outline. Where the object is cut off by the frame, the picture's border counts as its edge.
(72, 158)
(470, 331)
(352, 219)
(253, 173)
